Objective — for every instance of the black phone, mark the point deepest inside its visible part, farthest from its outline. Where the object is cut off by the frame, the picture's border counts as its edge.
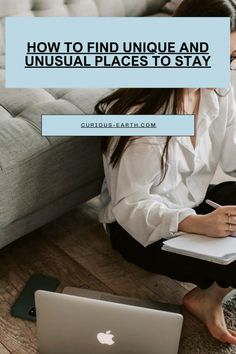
(24, 307)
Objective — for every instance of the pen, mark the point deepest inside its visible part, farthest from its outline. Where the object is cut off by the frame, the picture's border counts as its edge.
(213, 204)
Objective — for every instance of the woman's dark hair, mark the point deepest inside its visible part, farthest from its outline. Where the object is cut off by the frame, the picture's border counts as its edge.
(208, 8)
(154, 100)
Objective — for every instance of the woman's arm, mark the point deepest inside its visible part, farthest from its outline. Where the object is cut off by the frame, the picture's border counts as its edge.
(136, 208)
(214, 224)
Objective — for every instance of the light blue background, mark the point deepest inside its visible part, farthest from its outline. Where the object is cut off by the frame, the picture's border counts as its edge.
(69, 125)
(20, 30)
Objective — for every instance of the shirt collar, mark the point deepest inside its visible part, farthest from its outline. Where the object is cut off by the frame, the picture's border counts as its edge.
(208, 112)
(209, 104)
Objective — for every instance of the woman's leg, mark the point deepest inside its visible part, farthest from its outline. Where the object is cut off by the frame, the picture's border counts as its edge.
(205, 301)
(223, 194)
(211, 298)
(206, 305)
(213, 280)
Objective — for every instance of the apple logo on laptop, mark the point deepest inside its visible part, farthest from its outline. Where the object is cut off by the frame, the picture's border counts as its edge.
(105, 338)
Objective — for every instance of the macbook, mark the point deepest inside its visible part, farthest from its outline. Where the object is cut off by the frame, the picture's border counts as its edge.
(81, 321)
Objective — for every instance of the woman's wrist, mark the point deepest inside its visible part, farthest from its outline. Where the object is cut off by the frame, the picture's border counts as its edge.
(193, 224)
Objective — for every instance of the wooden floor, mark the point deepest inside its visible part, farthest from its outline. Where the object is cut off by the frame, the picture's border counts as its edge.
(75, 249)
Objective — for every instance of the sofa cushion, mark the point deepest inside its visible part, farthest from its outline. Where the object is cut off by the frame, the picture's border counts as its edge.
(34, 170)
(79, 7)
(20, 119)
(71, 8)
(47, 174)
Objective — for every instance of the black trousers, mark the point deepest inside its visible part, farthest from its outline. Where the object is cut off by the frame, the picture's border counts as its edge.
(178, 267)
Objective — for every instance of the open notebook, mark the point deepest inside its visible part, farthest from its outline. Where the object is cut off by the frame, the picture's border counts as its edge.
(217, 250)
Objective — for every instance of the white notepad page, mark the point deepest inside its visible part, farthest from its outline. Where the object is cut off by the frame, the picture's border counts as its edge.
(208, 246)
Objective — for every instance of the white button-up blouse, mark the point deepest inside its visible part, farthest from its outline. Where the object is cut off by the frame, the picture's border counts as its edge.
(131, 193)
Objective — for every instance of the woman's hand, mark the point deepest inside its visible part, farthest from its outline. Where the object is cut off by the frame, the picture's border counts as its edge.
(219, 223)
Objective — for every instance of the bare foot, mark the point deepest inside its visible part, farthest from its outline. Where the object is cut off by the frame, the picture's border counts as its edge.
(209, 310)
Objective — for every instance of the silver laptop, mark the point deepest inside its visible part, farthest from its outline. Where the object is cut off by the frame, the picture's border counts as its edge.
(80, 321)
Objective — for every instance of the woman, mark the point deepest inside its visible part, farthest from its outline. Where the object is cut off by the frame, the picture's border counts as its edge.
(155, 187)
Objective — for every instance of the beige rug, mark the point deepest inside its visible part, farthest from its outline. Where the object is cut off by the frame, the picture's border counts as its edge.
(196, 339)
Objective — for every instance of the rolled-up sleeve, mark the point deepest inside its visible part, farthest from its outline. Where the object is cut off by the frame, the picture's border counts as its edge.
(140, 212)
(228, 160)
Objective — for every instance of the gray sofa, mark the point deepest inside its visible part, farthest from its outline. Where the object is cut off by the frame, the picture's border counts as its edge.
(42, 178)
